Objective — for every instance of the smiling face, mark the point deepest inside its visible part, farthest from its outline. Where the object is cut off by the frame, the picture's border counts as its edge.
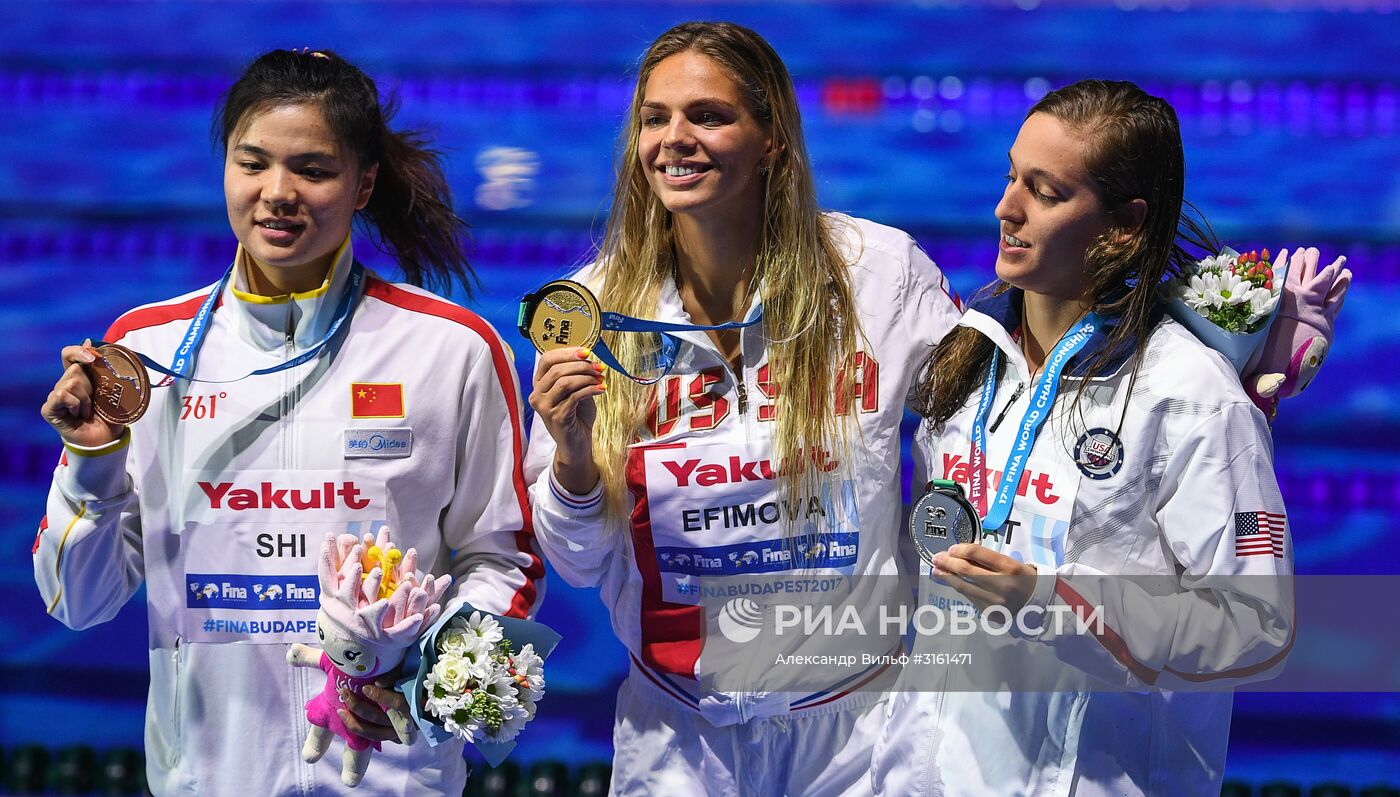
(1051, 211)
(292, 189)
(699, 144)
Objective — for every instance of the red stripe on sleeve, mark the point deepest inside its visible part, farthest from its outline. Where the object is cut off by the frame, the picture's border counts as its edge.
(43, 526)
(1245, 672)
(1108, 638)
(154, 316)
(527, 594)
(1115, 645)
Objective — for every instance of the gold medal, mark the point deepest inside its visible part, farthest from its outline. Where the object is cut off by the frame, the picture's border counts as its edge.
(560, 315)
(121, 390)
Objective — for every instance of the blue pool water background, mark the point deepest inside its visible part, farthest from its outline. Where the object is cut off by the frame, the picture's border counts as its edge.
(110, 197)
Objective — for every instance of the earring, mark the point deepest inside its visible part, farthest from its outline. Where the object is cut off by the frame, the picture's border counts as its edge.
(763, 167)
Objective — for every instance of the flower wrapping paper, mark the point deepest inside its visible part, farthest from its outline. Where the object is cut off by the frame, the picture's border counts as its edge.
(1238, 348)
(423, 655)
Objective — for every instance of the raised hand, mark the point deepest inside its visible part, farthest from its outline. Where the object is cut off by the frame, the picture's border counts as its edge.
(565, 383)
(68, 408)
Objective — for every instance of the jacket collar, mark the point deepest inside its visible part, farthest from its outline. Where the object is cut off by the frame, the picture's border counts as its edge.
(266, 321)
(999, 316)
(670, 308)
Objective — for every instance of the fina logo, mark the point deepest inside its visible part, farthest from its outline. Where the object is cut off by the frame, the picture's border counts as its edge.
(740, 620)
(270, 593)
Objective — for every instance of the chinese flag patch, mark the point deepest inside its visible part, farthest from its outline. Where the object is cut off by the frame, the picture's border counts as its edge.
(376, 400)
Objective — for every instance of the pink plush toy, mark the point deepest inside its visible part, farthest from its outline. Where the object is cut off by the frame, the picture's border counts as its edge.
(1301, 334)
(372, 609)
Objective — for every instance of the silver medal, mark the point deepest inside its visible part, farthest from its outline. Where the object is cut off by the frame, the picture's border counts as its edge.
(941, 519)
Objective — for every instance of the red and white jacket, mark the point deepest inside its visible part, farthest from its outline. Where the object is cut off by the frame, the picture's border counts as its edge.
(704, 503)
(218, 498)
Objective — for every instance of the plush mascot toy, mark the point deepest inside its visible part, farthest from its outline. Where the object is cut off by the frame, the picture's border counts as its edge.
(373, 607)
(1301, 335)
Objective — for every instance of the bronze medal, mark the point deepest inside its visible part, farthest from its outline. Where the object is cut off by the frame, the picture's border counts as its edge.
(121, 390)
(560, 315)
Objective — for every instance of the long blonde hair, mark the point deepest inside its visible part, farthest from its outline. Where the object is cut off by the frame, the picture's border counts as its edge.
(808, 302)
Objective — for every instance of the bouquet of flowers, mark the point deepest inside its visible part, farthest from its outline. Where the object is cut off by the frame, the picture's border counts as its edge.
(1229, 301)
(477, 677)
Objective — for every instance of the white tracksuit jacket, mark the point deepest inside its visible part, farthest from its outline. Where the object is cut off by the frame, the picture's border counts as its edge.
(224, 492)
(1187, 500)
(708, 448)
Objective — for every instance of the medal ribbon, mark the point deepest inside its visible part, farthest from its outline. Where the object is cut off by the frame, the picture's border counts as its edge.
(183, 365)
(617, 322)
(1042, 398)
(670, 344)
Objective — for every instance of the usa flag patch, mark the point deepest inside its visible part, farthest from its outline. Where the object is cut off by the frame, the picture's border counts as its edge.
(1259, 534)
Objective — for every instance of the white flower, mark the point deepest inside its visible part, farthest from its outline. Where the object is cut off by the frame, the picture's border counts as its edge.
(1217, 265)
(515, 719)
(470, 729)
(1201, 292)
(501, 685)
(472, 674)
(468, 668)
(483, 626)
(530, 666)
(1234, 289)
(454, 640)
(1262, 302)
(453, 673)
(445, 706)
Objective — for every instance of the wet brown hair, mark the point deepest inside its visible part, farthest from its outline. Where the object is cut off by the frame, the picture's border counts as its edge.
(1134, 152)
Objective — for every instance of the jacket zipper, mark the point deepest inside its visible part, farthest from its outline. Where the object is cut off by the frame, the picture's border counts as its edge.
(175, 704)
(1020, 388)
(288, 381)
(296, 682)
(742, 397)
(740, 378)
(306, 773)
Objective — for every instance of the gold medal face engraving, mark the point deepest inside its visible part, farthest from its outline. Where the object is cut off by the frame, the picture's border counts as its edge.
(564, 314)
(121, 388)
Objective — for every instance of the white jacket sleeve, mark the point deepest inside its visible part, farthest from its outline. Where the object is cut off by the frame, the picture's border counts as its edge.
(488, 526)
(87, 555)
(929, 307)
(572, 529)
(1226, 617)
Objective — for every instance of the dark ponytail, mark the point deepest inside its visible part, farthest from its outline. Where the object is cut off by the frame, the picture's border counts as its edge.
(409, 216)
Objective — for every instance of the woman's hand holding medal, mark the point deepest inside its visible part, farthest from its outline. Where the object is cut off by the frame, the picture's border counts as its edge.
(70, 406)
(985, 577)
(564, 386)
(564, 322)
